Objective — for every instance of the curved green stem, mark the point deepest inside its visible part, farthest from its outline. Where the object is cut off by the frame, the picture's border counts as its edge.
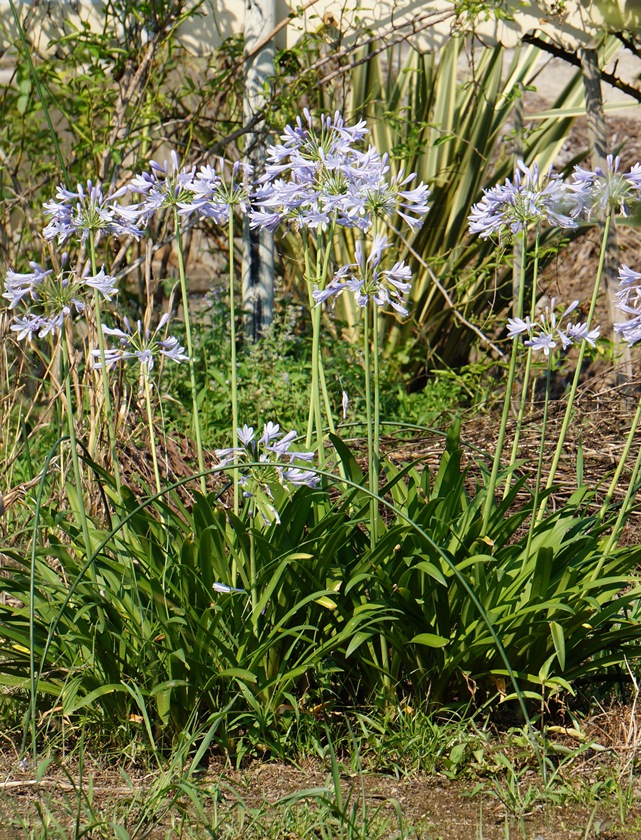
(190, 351)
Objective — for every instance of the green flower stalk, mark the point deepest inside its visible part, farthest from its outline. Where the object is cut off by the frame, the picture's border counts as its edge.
(210, 196)
(371, 284)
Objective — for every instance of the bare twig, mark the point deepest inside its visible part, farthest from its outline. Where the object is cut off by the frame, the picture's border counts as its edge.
(447, 297)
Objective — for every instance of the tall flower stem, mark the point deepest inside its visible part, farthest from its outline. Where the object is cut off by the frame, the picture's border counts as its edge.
(371, 457)
(377, 402)
(577, 373)
(232, 341)
(106, 391)
(324, 265)
(66, 356)
(528, 369)
(539, 466)
(496, 464)
(623, 512)
(315, 418)
(190, 351)
(150, 423)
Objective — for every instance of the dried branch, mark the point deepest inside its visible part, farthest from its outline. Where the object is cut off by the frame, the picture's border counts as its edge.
(573, 59)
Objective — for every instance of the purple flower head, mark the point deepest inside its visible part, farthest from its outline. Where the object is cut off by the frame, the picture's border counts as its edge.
(140, 344)
(629, 301)
(366, 280)
(273, 450)
(530, 198)
(86, 212)
(608, 189)
(321, 176)
(213, 196)
(164, 185)
(547, 332)
(50, 297)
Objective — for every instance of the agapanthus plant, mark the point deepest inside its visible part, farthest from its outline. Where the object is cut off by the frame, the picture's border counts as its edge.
(373, 287)
(215, 197)
(167, 185)
(318, 178)
(608, 191)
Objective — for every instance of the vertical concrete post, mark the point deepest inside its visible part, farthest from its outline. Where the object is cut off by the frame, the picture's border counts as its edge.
(597, 133)
(258, 245)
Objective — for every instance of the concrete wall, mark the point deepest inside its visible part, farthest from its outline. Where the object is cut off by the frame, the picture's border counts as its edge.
(573, 22)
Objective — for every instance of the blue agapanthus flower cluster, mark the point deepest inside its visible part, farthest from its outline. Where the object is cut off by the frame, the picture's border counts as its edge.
(547, 332)
(315, 178)
(49, 297)
(608, 189)
(532, 198)
(629, 301)
(87, 211)
(141, 344)
(529, 198)
(274, 449)
(367, 281)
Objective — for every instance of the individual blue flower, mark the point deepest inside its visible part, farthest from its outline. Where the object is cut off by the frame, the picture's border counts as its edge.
(141, 344)
(366, 280)
(223, 589)
(530, 198)
(87, 211)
